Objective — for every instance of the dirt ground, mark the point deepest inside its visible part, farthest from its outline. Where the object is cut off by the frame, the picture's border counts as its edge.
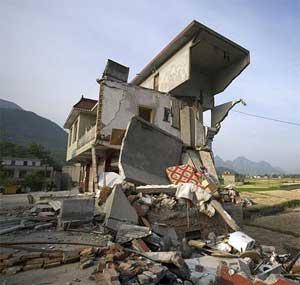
(281, 230)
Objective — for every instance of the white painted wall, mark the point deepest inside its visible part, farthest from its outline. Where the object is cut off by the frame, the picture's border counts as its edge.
(121, 102)
(173, 72)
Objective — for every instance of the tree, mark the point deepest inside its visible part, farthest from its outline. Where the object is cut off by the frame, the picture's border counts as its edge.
(35, 181)
(33, 150)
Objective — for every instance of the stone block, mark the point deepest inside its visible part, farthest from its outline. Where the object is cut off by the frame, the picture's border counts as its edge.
(118, 210)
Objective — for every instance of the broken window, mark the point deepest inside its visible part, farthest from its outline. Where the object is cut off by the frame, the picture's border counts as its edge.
(145, 113)
(155, 82)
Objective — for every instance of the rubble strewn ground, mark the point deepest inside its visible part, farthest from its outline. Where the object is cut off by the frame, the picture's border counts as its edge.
(162, 256)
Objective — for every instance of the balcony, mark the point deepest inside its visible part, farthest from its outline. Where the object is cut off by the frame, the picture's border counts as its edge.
(87, 137)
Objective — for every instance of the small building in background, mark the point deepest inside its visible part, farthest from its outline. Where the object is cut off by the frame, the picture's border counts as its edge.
(233, 178)
(16, 170)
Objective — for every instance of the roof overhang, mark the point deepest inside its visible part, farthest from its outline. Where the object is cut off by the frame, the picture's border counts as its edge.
(200, 55)
(74, 114)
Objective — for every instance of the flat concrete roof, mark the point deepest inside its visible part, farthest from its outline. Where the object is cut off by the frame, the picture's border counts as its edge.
(177, 43)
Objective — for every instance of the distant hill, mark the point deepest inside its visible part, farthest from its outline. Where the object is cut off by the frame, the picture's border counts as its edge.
(9, 105)
(24, 128)
(245, 166)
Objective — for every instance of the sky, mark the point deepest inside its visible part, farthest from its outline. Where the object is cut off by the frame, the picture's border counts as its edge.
(52, 51)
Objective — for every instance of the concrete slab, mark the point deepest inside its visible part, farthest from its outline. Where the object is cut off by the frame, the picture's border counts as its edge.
(118, 210)
(146, 152)
(77, 210)
(207, 161)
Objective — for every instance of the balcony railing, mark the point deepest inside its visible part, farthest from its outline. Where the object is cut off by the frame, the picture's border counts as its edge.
(87, 137)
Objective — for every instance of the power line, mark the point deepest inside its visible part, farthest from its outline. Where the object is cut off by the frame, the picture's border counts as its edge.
(267, 118)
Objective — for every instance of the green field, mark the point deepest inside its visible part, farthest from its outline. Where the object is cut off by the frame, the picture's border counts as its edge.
(264, 184)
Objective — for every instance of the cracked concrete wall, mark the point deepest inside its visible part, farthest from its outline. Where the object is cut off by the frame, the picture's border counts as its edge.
(121, 102)
(173, 72)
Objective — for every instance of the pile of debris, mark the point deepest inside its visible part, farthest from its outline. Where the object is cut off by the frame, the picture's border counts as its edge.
(231, 195)
(17, 262)
(181, 231)
(160, 234)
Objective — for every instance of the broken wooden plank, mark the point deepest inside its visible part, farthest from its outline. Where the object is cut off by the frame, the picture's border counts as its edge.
(226, 217)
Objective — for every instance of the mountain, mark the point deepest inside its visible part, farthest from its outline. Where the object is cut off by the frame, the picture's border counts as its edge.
(245, 166)
(9, 105)
(25, 127)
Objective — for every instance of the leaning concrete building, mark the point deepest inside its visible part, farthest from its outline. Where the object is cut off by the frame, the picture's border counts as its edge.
(172, 92)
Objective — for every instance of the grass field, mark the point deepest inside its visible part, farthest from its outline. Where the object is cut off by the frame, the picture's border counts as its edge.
(269, 184)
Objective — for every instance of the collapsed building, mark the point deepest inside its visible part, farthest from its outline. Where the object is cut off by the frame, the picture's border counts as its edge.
(160, 216)
(172, 93)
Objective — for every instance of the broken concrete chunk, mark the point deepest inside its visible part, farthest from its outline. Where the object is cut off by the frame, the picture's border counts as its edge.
(76, 210)
(128, 232)
(118, 210)
(207, 161)
(220, 112)
(167, 233)
(144, 279)
(192, 158)
(141, 159)
(139, 245)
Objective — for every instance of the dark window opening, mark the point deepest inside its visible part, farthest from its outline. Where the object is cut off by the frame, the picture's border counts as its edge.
(145, 113)
(25, 162)
(167, 113)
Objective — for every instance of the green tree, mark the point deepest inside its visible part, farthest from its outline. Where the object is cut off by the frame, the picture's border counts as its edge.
(35, 181)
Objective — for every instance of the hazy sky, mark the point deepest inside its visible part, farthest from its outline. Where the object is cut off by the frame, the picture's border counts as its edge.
(51, 52)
